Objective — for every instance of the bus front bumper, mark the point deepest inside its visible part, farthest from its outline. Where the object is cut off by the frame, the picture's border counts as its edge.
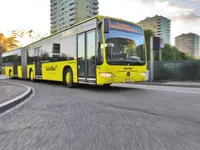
(109, 78)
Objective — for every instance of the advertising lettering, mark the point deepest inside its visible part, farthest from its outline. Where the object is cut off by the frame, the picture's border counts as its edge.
(51, 68)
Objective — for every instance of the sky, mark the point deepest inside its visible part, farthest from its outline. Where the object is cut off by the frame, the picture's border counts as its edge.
(35, 14)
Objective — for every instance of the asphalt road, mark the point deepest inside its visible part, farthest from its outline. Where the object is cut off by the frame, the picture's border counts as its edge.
(10, 91)
(91, 118)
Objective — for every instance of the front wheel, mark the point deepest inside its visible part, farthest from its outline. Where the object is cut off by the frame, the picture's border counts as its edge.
(31, 76)
(68, 78)
(10, 73)
(106, 85)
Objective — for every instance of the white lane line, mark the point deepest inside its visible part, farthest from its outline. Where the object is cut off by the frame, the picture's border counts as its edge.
(14, 99)
(20, 104)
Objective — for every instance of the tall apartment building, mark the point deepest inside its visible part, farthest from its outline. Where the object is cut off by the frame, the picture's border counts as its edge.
(160, 25)
(65, 13)
(189, 44)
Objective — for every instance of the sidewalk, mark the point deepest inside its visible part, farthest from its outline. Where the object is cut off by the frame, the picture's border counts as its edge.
(173, 83)
(12, 94)
(10, 91)
(3, 77)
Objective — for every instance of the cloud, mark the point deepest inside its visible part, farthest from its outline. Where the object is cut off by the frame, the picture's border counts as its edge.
(198, 1)
(187, 17)
(152, 1)
(183, 19)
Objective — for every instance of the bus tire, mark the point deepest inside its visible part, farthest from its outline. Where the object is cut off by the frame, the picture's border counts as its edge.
(68, 78)
(31, 76)
(106, 85)
(10, 73)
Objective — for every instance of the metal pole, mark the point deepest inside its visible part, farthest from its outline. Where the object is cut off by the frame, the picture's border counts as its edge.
(151, 59)
(174, 54)
(160, 55)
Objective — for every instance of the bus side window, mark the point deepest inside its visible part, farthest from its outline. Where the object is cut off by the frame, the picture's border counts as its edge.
(56, 52)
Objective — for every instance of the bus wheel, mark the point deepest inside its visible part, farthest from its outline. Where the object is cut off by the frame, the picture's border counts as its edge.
(69, 78)
(31, 76)
(10, 73)
(106, 85)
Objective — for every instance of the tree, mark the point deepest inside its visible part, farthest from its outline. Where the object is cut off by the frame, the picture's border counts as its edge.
(170, 53)
(30, 35)
(148, 33)
(8, 43)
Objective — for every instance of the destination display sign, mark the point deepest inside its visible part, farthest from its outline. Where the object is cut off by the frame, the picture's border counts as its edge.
(124, 26)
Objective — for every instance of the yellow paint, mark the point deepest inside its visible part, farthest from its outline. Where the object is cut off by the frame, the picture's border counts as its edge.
(31, 76)
(29, 68)
(68, 78)
(54, 71)
(120, 74)
(6, 71)
(19, 71)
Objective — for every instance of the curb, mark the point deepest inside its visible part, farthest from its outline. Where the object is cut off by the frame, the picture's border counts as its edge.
(13, 102)
(158, 84)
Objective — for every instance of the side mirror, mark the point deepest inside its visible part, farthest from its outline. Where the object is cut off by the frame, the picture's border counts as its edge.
(106, 25)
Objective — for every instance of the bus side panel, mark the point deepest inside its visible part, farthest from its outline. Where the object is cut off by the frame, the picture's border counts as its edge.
(19, 70)
(24, 63)
(29, 68)
(7, 71)
(54, 71)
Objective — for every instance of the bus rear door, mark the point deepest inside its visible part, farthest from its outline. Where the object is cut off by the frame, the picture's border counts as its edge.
(38, 62)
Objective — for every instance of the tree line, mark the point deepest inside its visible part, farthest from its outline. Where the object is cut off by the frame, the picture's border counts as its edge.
(13, 41)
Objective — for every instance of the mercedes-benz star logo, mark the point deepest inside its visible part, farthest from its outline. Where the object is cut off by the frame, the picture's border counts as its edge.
(128, 73)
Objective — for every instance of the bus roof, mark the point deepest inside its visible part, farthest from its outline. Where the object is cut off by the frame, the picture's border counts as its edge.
(99, 17)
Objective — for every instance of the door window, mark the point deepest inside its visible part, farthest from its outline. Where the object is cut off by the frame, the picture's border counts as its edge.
(81, 55)
(91, 65)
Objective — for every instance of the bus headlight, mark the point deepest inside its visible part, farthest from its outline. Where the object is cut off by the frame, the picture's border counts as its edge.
(143, 74)
(106, 75)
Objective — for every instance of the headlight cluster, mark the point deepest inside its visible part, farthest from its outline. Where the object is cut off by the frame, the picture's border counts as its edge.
(106, 75)
(143, 74)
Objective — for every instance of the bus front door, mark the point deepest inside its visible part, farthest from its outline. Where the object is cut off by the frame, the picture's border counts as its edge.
(38, 62)
(86, 57)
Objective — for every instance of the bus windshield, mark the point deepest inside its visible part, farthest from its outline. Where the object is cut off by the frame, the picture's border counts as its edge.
(124, 48)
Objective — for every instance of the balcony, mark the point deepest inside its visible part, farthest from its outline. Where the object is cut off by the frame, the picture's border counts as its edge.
(71, 18)
(72, 12)
(72, 2)
(53, 4)
(95, 12)
(71, 7)
(95, 7)
(95, 2)
(89, 15)
(53, 21)
(72, 22)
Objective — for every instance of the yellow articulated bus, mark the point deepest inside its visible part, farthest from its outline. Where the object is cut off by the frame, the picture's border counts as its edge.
(100, 50)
